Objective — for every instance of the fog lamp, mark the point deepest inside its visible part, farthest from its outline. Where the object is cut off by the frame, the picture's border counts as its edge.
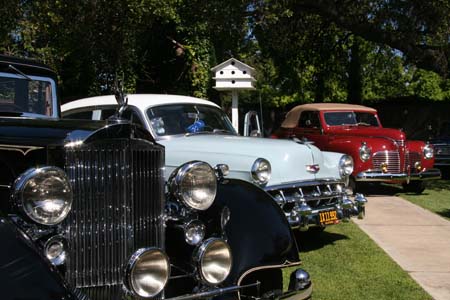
(194, 232)
(214, 260)
(418, 166)
(147, 272)
(55, 250)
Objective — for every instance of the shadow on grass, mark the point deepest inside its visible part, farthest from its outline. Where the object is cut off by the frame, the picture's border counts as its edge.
(310, 241)
(384, 189)
(444, 213)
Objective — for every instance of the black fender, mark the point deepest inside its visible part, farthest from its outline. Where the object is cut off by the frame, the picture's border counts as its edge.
(24, 272)
(257, 232)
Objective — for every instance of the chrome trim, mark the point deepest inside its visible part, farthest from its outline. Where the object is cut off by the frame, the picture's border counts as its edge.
(19, 148)
(299, 184)
(377, 175)
(132, 263)
(215, 292)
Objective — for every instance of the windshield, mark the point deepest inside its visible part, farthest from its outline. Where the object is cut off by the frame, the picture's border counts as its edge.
(350, 118)
(22, 95)
(188, 118)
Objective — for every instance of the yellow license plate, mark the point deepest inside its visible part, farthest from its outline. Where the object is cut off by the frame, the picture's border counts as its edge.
(328, 217)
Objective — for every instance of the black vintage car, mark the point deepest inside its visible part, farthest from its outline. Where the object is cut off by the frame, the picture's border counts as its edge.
(441, 144)
(85, 213)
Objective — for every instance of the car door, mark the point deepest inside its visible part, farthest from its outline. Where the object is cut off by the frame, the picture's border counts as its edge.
(309, 127)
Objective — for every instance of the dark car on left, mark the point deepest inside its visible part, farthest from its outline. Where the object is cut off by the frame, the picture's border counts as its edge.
(86, 213)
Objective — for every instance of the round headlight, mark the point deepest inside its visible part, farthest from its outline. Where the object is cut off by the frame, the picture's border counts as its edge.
(346, 165)
(428, 151)
(213, 259)
(44, 195)
(261, 171)
(147, 272)
(195, 184)
(364, 152)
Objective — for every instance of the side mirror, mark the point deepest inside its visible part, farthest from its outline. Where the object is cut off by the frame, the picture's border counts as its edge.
(251, 124)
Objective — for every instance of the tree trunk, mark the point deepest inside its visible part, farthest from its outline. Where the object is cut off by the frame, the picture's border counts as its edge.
(355, 74)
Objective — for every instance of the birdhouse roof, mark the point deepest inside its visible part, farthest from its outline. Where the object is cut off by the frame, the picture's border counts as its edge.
(228, 62)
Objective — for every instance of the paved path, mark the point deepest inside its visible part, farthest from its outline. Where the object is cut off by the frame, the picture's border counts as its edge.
(418, 240)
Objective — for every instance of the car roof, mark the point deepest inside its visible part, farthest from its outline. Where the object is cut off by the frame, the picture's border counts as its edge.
(142, 101)
(292, 116)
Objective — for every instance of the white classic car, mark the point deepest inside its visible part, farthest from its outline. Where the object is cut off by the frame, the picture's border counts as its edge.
(307, 183)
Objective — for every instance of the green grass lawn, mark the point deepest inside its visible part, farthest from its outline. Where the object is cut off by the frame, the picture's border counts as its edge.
(345, 263)
(435, 198)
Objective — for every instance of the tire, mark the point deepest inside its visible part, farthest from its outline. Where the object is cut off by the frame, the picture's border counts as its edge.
(352, 186)
(416, 187)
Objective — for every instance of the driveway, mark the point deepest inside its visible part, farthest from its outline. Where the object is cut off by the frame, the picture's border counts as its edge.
(418, 240)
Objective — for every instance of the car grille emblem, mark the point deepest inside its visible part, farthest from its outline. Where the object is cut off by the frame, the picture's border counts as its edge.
(313, 168)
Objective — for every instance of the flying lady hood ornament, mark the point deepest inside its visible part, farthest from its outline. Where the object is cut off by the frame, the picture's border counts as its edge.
(122, 101)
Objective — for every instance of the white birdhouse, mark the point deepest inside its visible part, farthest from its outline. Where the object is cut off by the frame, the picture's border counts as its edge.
(233, 75)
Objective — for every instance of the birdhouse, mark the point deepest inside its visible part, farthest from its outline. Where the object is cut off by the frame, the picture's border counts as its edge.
(233, 75)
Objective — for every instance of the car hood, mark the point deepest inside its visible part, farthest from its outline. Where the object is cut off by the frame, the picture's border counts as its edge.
(288, 159)
(375, 132)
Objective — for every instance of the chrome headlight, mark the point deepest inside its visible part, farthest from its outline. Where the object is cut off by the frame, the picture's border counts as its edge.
(44, 194)
(346, 165)
(364, 152)
(213, 259)
(195, 184)
(428, 151)
(147, 272)
(261, 171)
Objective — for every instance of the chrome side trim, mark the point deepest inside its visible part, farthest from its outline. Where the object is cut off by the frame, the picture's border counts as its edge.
(215, 292)
(284, 265)
(19, 148)
(297, 184)
(375, 175)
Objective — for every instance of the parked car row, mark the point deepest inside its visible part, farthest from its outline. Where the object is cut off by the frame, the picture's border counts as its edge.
(158, 197)
(85, 214)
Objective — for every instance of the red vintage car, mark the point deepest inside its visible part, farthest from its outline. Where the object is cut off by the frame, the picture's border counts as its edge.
(379, 154)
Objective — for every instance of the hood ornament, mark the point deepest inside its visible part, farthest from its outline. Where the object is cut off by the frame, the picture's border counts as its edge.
(122, 101)
(313, 168)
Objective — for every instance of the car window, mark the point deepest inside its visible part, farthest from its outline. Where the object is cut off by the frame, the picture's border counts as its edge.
(33, 94)
(350, 118)
(309, 119)
(188, 118)
(80, 115)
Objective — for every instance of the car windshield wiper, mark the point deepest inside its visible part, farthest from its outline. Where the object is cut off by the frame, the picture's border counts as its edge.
(20, 72)
(217, 130)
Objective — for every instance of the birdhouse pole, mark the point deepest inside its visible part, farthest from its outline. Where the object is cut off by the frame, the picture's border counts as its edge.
(235, 109)
(233, 75)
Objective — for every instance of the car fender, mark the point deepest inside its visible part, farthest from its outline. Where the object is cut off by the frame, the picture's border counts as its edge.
(24, 272)
(257, 232)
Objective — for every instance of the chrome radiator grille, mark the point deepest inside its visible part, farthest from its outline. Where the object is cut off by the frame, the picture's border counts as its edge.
(317, 195)
(117, 209)
(391, 158)
(411, 158)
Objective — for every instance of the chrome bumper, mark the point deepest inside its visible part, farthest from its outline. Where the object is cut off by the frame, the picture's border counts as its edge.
(300, 288)
(303, 217)
(376, 175)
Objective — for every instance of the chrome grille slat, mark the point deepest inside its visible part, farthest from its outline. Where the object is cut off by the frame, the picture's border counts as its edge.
(315, 196)
(391, 158)
(118, 203)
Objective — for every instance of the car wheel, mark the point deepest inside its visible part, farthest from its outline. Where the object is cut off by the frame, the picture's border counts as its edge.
(416, 187)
